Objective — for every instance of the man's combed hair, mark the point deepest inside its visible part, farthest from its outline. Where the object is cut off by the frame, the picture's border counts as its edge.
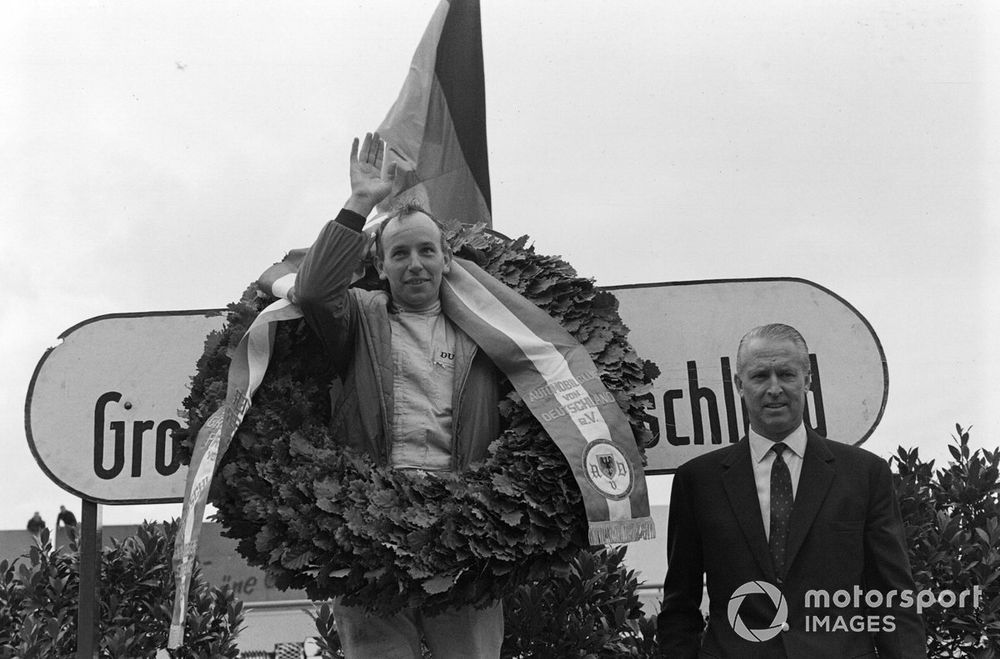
(773, 332)
(399, 212)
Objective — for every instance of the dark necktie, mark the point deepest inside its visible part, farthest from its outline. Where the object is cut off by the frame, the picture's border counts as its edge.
(781, 508)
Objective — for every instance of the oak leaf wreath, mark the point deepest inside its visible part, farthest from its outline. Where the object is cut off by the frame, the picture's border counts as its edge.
(327, 520)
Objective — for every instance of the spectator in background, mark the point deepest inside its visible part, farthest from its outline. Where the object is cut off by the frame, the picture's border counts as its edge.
(36, 524)
(67, 519)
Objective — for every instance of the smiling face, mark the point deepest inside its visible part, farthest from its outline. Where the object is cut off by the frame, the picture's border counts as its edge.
(413, 261)
(773, 379)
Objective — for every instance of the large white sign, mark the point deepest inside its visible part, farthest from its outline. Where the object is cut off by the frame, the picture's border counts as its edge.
(691, 331)
(103, 404)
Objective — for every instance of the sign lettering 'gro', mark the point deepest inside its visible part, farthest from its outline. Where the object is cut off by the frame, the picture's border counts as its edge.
(166, 464)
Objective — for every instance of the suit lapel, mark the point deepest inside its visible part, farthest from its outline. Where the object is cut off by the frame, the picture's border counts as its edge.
(814, 483)
(741, 489)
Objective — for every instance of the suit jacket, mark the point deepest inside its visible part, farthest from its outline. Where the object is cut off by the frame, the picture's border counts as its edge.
(846, 533)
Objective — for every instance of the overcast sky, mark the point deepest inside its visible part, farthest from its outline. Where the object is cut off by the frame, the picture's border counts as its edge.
(156, 156)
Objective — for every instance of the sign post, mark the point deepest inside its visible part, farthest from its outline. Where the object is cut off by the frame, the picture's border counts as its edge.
(88, 644)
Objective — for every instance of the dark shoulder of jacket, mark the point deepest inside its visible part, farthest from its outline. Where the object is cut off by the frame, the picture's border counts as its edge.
(711, 459)
(851, 452)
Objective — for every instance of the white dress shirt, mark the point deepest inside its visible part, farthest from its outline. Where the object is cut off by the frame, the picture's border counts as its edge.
(762, 457)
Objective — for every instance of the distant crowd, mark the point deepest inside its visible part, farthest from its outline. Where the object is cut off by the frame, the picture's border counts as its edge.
(65, 517)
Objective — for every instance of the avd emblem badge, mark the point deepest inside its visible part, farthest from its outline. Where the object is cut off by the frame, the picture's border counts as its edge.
(608, 469)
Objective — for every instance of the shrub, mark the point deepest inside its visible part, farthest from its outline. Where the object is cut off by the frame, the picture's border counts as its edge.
(587, 609)
(952, 519)
(38, 602)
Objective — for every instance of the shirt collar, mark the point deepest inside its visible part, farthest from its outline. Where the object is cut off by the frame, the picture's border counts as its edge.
(432, 310)
(796, 442)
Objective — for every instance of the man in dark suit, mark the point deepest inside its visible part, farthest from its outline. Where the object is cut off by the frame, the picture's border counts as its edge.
(777, 521)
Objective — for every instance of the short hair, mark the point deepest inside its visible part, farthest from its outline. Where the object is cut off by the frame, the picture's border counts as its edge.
(408, 208)
(773, 332)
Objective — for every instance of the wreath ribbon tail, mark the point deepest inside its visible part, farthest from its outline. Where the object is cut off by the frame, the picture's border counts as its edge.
(246, 371)
(560, 384)
(607, 533)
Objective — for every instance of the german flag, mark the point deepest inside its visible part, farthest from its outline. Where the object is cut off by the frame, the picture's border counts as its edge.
(436, 130)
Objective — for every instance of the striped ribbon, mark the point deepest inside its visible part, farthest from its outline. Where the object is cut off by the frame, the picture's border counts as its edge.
(551, 371)
(246, 370)
(559, 382)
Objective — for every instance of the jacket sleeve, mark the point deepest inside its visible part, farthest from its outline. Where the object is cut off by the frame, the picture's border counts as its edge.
(680, 621)
(887, 566)
(323, 280)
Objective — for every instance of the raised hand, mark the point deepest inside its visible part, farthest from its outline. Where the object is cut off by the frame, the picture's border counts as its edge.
(368, 186)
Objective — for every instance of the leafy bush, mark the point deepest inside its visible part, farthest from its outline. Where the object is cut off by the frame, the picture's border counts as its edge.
(952, 519)
(587, 609)
(38, 602)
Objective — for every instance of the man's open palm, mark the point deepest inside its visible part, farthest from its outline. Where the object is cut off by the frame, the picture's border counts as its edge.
(366, 170)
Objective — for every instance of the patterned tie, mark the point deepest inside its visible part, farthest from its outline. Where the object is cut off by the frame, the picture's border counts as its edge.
(781, 508)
